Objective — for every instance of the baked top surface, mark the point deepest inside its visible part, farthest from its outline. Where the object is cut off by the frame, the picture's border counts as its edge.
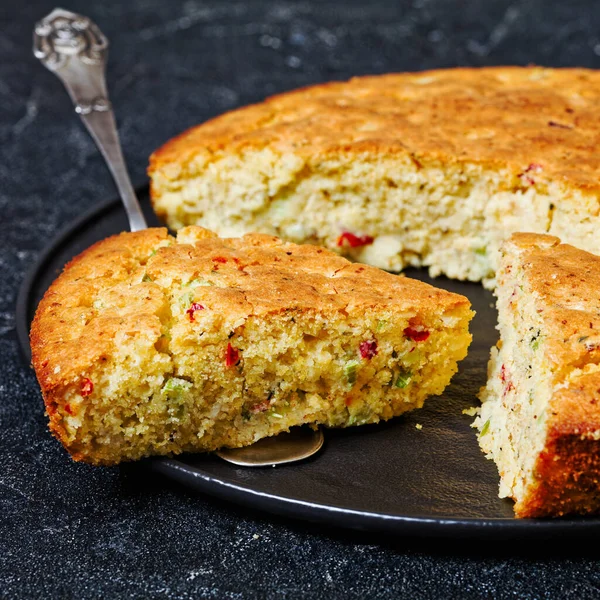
(566, 283)
(140, 275)
(535, 122)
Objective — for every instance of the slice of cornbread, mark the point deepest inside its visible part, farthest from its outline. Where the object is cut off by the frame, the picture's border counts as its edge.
(147, 344)
(540, 417)
(425, 169)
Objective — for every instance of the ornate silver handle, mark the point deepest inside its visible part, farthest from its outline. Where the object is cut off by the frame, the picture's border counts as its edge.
(73, 48)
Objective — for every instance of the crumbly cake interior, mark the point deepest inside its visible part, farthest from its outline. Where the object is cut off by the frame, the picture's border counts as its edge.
(538, 411)
(194, 365)
(512, 422)
(429, 169)
(449, 218)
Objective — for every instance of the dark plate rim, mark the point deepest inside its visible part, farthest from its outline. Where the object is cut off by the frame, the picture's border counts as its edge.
(294, 507)
(422, 526)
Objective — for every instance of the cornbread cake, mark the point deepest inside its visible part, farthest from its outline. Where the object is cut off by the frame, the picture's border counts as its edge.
(540, 417)
(428, 169)
(148, 344)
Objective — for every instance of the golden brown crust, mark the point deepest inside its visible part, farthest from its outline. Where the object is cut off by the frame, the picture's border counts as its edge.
(567, 471)
(565, 282)
(65, 342)
(508, 117)
(255, 275)
(68, 301)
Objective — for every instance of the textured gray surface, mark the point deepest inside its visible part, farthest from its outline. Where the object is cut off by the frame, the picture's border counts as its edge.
(68, 530)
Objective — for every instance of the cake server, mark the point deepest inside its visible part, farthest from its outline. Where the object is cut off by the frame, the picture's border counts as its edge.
(74, 49)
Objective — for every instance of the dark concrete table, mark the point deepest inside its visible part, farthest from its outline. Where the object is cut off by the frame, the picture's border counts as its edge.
(72, 531)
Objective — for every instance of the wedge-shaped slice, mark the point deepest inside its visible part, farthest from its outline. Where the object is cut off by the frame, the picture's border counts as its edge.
(150, 345)
(540, 418)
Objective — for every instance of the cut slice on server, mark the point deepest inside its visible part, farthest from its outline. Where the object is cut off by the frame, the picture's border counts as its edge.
(149, 344)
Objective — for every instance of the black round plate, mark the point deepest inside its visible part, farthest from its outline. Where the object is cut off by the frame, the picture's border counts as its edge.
(394, 477)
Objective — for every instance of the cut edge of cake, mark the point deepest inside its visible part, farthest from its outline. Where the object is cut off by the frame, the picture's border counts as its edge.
(152, 345)
(344, 165)
(540, 414)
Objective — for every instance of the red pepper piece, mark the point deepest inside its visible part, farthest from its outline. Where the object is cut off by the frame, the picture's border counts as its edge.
(87, 387)
(220, 259)
(534, 167)
(232, 356)
(368, 349)
(354, 241)
(193, 308)
(526, 179)
(508, 384)
(416, 335)
(260, 407)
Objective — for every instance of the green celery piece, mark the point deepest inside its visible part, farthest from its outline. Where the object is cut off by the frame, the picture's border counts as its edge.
(485, 428)
(350, 370)
(175, 385)
(185, 300)
(381, 324)
(403, 379)
(360, 417)
(199, 282)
